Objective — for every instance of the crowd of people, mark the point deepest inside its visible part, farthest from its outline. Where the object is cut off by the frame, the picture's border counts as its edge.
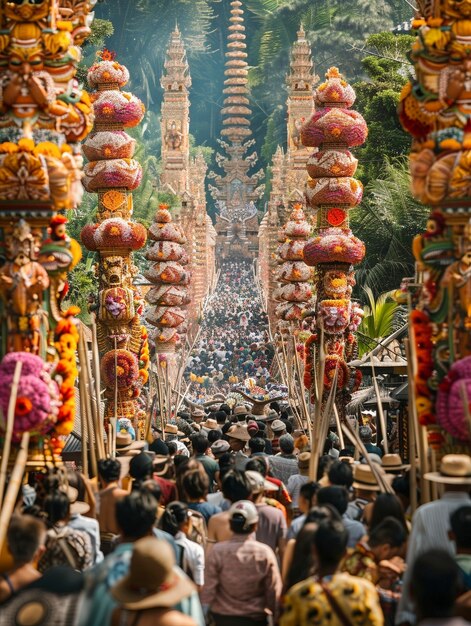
(233, 342)
(220, 521)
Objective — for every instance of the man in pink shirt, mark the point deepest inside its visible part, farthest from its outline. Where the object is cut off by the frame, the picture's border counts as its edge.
(242, 580)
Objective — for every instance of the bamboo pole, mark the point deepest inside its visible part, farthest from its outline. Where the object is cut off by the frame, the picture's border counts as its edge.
(16, 480)
(90, 406)
(339, 427)
(97, 380)
(83, 428)
(412, 428)
(9, 427)
(382, 419)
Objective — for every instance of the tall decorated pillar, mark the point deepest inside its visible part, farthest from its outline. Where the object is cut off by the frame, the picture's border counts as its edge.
(43, 117)
(435, 109)
(331, 193)
(300, 107)
(113, 175)
(175, 117)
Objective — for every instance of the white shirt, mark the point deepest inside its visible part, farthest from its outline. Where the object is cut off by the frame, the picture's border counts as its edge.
(430, 526)
(193, 558)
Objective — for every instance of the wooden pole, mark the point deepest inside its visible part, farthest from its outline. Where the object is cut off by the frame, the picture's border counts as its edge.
(16, 480)
(90, 406)
(382, 419)
(97, 379)
(412, 439)
(9, 427)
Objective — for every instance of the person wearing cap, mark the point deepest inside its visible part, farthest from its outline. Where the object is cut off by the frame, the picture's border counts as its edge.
(278, 428)
(152, 588)
(243, 582)
(284, 464)
(431, 521)
(330, 597)
(26, 538)
(238, 436)
(220, 447)
(366, 435)
(272, 529)
(392, 464)
(296, 481)
(365, 488)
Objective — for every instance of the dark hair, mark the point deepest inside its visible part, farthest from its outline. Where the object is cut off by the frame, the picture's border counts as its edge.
(136, 514)
(334, 495)
(324, 465)
(226, 408)
(159, 447)
(172, 447)
(173, 517)
(226, 463)
(75, 480)
(434, 584)
(390, 531)
(195, 484)
(235, 486)
(308, 491)
(257, 465)
(318, 514)
(239, 526)
(340, 473)
(330, 542)
(460, 522)
(152, 487)
(387, 505)
(214, 435)
(140, 466)
(109, 470)
(302, 563)
(200, 443)
(257, 444)
(56, 507)
(24, 536)
(401, 485)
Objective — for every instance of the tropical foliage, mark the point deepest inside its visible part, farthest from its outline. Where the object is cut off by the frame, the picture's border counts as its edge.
(379, 320)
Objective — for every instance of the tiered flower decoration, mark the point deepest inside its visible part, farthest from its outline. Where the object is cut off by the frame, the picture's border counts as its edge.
(167, 272)
(113, 174)
(435, 110)
(295, 292)
(43, 117)
(334, 251)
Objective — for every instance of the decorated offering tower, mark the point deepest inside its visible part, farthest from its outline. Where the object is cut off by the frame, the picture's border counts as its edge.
(43, 117)
(435, 110)
(170, 279)
(113, 174)
(333, 251)
(236, 192)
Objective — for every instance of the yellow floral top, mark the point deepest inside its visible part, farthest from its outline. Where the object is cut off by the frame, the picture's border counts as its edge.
(306, 604)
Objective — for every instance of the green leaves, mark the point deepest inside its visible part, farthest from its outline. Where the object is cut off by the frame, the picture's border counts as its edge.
(378, 322)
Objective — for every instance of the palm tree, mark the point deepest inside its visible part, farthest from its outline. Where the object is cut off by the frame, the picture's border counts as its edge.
(387, 221)
(380, 319)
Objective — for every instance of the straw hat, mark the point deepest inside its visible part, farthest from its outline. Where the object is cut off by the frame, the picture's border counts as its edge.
(238, 431)
(172, 429)
(210, 424)
(363, 478)
(241, 409)
(125, 444)
(153, 580)
(37, 607)
(304, 460)
(198, 413)
(455, 469)
(77, 507)
(393, 463)
(160, 464)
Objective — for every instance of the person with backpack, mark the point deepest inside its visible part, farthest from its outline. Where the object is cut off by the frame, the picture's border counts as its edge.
(177, 521)
(64, 545)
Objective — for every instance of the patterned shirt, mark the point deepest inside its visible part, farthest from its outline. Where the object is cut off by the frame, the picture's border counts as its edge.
(360, 561)
(306, 603)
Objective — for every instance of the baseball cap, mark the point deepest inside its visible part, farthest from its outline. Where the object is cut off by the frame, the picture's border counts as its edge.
(258, 483)
(278, 426)
(246, 509)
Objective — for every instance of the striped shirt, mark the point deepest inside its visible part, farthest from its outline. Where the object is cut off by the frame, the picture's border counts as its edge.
(430, 526)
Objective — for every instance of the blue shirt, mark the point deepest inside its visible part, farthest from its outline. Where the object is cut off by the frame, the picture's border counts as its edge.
(206, 509)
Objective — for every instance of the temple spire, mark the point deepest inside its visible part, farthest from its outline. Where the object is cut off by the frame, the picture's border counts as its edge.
(175, 121)
(236, 191)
